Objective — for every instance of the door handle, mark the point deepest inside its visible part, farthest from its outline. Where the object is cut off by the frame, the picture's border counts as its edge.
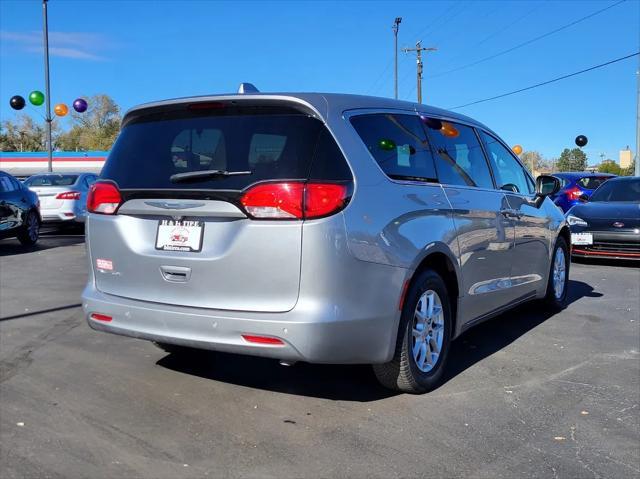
(175, 274)
(510, 213)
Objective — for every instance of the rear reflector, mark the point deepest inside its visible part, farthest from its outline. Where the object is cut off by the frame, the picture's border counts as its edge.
(104, 198)
(101, 317)
(294, 200)
(262, 340)
(68, 195)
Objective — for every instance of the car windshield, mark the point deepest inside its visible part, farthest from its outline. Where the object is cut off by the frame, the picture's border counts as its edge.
(623, 190)
(51, 180)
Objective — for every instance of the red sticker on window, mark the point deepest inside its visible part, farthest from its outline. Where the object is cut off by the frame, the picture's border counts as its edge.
(106, 264)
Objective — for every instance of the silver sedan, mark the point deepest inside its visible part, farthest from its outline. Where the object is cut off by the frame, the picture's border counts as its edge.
(63, 196)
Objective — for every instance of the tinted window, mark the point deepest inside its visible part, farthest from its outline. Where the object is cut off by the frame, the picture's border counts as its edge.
(51, 180)
(272, 146)
(592, 182)
(458, 154)
(509, 173)
(622, 190)
(328, 162)
(6, 185)
(398, 144)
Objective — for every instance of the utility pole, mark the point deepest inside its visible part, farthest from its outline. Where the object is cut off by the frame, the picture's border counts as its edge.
(396, 25)
(47, 94)
(637, 172)
(419, 49)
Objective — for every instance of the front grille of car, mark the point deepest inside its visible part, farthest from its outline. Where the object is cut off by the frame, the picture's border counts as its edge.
(610, 246)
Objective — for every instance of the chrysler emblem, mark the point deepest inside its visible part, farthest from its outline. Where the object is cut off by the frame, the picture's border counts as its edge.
(618, 224)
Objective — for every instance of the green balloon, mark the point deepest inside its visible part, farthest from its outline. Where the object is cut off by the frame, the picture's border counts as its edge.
(36, 98)
(386, 145)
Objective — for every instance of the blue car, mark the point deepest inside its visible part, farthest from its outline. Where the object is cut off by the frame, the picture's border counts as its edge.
(576, 184)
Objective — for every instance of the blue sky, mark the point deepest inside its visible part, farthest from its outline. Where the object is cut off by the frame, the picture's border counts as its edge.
(137, 51)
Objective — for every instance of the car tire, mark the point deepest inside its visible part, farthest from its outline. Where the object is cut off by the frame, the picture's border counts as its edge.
(30, 232)
(404, 372)
(556, 299)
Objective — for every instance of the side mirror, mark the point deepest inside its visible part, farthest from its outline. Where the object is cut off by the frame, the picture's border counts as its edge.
(583, 198)
(546, 185)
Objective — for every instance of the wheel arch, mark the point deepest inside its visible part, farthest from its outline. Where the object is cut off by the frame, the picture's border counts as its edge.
(440, 259)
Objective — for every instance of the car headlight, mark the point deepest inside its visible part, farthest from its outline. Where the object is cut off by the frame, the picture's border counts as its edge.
(575, 221)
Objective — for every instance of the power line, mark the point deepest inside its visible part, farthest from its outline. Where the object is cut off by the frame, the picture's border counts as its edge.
(547, 82)
(528, 42)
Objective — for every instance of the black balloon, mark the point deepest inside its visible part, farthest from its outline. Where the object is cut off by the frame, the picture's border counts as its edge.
(17, 102)
(581, 140)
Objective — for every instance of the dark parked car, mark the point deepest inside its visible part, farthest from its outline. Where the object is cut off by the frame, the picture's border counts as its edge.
(19, 211)
(574, 185)
(608, 225)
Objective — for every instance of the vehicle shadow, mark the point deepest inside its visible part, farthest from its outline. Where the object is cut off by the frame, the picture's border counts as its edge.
(495, 334)
(48, 240)
(358, 383)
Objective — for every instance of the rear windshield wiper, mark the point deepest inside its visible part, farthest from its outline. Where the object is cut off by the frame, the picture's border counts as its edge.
(413, 178)
(199, 175)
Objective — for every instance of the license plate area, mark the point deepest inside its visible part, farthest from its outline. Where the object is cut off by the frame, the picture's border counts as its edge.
(581, 238)
(180, 235)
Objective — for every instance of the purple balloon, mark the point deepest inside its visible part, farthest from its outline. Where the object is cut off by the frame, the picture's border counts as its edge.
(80, 105)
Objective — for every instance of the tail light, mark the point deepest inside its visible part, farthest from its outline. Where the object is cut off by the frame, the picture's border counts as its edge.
(68, 195)
(294, 200)
(104, 198)
(574, 193)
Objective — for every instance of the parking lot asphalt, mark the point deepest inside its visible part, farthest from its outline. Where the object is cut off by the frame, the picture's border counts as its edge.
(528, 394)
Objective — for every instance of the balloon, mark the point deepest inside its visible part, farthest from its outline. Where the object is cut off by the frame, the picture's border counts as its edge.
(449, 130)
(517, 149)
(61, 109)
(36, 98)
(386, 145)
(581, 140)
(17, 102)
(80, 105)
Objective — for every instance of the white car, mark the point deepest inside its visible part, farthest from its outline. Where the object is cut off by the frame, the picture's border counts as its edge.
(63, 196)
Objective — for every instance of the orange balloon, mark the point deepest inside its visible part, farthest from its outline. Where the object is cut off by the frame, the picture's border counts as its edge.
(517, 149)
(61, 109)
(449, 130)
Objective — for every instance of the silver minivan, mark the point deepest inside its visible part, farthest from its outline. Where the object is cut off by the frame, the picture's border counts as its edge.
(314, 227)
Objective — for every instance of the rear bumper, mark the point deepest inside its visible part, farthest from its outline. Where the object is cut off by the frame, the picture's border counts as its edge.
(315, 333)
(61, 216)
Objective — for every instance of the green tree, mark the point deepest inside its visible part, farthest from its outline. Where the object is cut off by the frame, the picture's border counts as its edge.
(572, 160)
(23, 134)
(534, 161)
(630, 171)
(95, 129)
(609, 166)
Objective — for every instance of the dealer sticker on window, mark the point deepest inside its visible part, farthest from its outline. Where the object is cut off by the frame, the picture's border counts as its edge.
(581, 238)
(179, 235)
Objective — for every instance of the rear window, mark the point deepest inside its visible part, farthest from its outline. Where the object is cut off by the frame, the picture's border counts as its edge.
(51, 180)
(151, 149)
(592, 182)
